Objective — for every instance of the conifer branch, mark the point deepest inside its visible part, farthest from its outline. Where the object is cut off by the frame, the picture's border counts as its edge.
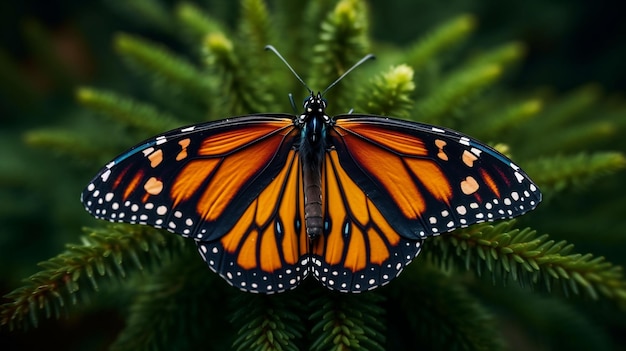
(127, 111)
(557, 173)
(500, 119)
(174, 308)
(342, 42)
(347, 322)
(560, 112)
(268, 322)
(444, 316)
(255, 32)
(575, 137)
(503, 55)
(151, 12)
(543, 315)
(314, 14)
(166, 68)
(390, 92)
(455, 90)
(524, 257)
(64, 142)
(438, 40)
(238, 94)
(255, 29)
(108, 252)
(196, 22)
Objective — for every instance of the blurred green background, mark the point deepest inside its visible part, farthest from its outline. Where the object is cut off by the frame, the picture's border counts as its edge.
(49, 48)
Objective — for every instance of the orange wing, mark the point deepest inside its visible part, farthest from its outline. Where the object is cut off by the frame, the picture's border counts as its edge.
(265, 251)
(428, 180)
(196, 181)
(359, 250)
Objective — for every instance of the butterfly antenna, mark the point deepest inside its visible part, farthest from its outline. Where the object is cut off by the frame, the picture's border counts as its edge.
(273, 49)
(361, 61)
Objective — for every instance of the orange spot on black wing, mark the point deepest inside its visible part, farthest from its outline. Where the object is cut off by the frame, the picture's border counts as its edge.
(469, 185)
(183, 152)
(468, 158)
(132, 185)
(441, 154)
(153, 186)
(491, 184)
(156, 158)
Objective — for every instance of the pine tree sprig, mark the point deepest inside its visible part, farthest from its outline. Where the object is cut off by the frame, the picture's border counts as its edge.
(455, 90)
(438, 40)
(574, 137)
(127, 111)
(342, 42)
(268, 322)
(237, 94)
(108, 252)
(390, 92)
(173, 308)
(196, 22)
(347, 322)
(503, 55)
(554, 174)
(166, 68)
(255, 29)
(64, 142)
(500, 119)
(562, 111)
(525, 257)
(444, 315)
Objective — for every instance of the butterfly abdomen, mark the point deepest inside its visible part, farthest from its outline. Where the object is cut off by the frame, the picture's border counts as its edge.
(312, 149)
(312, 202)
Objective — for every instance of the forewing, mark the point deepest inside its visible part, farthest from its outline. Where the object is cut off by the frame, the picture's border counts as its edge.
(427, 180)
(359, 249)
(265, 251)
(196, 181)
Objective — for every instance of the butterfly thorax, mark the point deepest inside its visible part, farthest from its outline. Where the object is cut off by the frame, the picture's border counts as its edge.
(313, 123)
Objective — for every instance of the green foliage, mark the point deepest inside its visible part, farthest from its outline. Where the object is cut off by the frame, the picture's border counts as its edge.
(268, 322)
(444, 315)
(529, 259)
(344, 322)
(107, 252)
(202, 67)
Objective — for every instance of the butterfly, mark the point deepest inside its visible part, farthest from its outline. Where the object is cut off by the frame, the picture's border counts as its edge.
(272, 198)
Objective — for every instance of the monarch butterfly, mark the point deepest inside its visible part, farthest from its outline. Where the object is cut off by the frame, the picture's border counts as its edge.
(271, 198)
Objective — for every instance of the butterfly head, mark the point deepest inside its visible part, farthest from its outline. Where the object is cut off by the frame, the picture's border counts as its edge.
(314, 106)
(312, 123)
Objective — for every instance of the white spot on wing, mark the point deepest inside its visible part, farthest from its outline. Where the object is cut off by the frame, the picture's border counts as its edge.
(105, 175)
(148, 151)
(438, 130)
(161, 140)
